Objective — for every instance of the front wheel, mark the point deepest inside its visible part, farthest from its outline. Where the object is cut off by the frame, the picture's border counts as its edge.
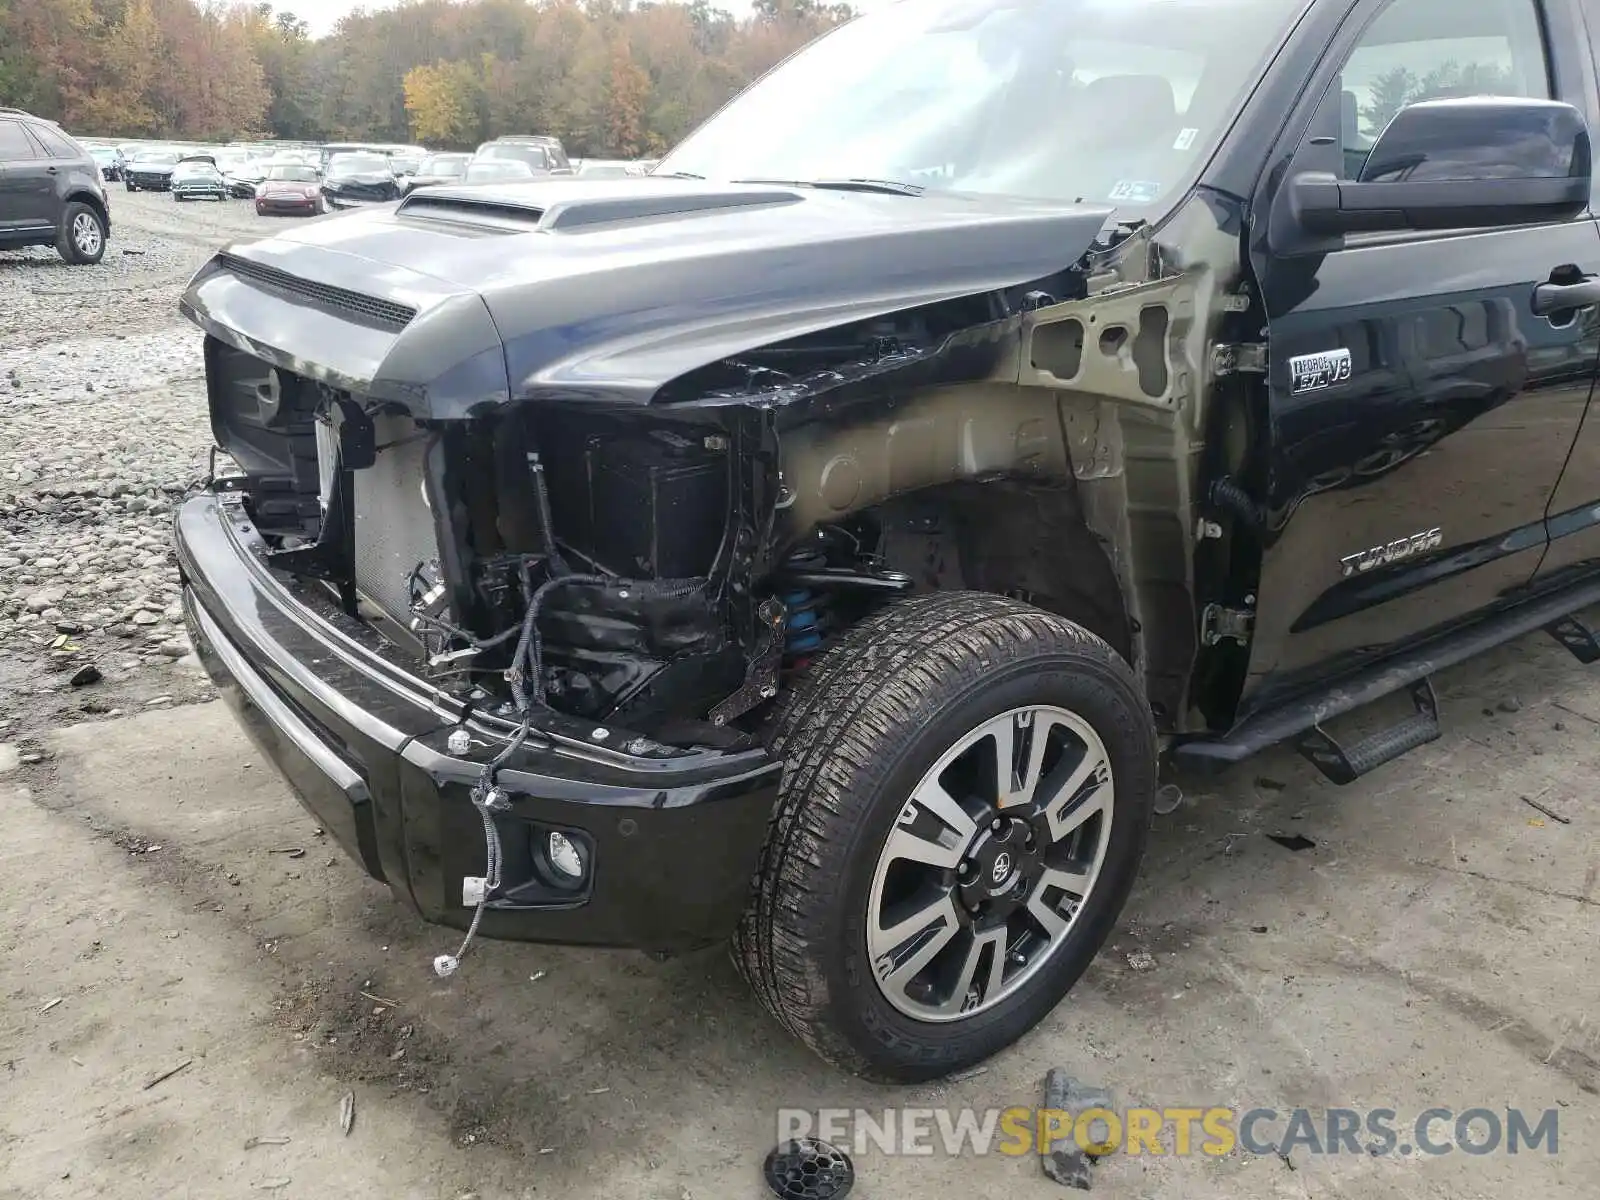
(967, 791)
(82, 238)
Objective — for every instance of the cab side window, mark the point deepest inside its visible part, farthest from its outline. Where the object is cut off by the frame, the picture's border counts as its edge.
(14, 143)
(1432, 50)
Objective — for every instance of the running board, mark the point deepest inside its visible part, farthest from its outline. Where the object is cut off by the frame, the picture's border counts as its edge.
(1346, 764)
(1404, 670)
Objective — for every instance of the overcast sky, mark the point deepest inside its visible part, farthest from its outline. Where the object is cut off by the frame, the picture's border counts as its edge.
(321, 15)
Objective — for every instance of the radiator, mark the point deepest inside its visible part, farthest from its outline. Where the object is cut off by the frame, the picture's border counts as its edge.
(393, 523)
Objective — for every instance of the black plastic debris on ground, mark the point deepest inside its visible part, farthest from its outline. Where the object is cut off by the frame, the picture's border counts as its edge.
(1296, 843)
(806, 1169)
(1063, 1160)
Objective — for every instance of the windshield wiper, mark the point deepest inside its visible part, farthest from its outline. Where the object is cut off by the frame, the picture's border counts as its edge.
(885, 187)
(679, 175)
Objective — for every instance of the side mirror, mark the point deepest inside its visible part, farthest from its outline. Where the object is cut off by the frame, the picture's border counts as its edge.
(1457, 164)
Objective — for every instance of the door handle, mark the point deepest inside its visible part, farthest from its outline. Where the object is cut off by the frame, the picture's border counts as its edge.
(1551, 298)
(51, 170)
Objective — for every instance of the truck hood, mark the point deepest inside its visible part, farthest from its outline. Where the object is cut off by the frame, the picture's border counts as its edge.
(464, 297)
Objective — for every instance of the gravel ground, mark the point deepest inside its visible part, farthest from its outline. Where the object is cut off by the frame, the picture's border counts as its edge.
(102, 427)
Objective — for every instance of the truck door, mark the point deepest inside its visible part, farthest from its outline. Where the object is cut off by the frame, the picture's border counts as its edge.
(1573, 519)
(1420, 411)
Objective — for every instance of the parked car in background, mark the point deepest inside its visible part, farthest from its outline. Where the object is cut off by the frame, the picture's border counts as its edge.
(290, 189)
(51, 193)
(544, 154)
(198, 179)
(245, 179)
(494, 170)
(436, 169)
(327, 153)
(609, 168)
(350, 180)
(230, 158)
(151, 170)
(110, 161)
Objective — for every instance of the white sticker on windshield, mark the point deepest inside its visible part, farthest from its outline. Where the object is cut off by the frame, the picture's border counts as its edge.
(1135, 191)
(1186, 139)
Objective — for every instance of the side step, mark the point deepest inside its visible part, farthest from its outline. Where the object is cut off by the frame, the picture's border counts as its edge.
(1346, 764)
(1306, 714)
(1576, 637)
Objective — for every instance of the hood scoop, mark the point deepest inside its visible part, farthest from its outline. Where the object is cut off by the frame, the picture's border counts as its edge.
(630, 202)
(437, 205)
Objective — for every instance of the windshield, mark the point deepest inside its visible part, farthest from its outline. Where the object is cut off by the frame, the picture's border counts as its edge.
(293, 174)
(1110, 101)
(533, 156)
(444, 164)
(358, 164)
(159, 157)
(484, 172)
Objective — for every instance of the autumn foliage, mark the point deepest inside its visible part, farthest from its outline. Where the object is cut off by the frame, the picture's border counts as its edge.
(611, 77)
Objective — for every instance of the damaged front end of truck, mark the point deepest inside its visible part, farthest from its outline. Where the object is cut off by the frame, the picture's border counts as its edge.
(587, 479)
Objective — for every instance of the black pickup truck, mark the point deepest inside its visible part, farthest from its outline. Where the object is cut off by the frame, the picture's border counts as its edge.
(825, 541)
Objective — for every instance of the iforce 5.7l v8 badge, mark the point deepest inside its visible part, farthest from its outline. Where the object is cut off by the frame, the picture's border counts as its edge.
(1314, 372)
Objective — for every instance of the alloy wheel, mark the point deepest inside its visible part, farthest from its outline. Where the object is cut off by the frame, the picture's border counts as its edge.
(989, 862)
(86, 234)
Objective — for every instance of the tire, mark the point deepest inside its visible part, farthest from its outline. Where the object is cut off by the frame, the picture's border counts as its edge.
(879, 711)
(81, 240)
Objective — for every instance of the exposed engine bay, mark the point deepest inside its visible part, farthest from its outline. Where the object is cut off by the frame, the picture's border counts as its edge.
(601, 564)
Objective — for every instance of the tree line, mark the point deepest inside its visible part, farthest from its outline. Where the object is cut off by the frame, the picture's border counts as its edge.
(621, 78)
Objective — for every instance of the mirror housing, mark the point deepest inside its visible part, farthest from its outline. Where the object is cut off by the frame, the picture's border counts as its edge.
(1477, 162)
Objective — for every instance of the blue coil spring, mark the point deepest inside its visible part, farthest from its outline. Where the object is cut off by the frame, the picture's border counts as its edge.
(803, 632)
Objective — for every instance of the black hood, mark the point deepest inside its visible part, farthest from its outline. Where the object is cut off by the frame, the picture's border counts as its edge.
(605, 289)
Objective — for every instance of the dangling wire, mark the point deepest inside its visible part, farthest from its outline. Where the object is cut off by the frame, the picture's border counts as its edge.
(486, 797)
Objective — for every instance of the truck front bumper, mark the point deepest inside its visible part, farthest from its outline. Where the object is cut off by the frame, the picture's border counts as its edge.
(669, 840)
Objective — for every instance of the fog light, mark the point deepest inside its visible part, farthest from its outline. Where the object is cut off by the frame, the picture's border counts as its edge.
(564, 856)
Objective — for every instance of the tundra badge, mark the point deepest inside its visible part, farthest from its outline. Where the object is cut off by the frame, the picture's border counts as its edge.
(1314, 372)
(1396, 551)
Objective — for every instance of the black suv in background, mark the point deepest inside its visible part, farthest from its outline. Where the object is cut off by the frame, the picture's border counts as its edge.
(50, 190)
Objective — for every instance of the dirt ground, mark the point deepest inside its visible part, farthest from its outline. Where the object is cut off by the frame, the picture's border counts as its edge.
(165, 903)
